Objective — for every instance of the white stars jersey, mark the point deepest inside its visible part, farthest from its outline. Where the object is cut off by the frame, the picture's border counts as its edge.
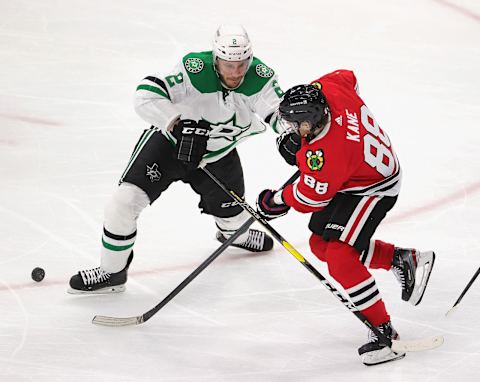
(193, 90)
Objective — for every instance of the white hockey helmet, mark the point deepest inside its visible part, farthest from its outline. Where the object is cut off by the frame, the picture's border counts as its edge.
(231, 43)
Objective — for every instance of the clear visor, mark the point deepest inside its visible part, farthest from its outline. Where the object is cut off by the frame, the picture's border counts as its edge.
(289, 126)
(234, 67)
(301, 128)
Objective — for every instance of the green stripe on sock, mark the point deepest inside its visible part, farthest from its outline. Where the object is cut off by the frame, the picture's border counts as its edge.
(116, 247)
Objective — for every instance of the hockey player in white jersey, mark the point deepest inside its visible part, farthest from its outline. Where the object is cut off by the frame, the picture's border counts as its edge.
(200, 111)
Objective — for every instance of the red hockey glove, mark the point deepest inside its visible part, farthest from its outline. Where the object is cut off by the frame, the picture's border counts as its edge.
(267, 208)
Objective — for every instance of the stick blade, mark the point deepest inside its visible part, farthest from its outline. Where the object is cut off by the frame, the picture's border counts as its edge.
(117, 321)
(417, 345)
(451, 311)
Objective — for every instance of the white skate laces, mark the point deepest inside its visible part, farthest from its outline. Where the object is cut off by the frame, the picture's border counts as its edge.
(98, 280)
(374, 352)
(94, 276)
(412, 270)
(404, 267)
(254, 240)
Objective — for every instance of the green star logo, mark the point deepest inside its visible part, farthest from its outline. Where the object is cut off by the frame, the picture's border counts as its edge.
(263, 71)
(228, 129)
(194, 65)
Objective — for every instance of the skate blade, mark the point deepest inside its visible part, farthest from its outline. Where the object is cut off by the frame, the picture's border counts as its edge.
(422, 276)
(381, 356)
(107, 290)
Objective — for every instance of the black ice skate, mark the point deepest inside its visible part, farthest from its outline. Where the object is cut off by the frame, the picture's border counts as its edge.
(98, 281)
(374, 352)
(257, 241)
(412, 269)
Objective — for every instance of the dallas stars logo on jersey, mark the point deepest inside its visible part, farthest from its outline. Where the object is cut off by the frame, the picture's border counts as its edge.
(263, 71)
(228, 130)
(194, 65)
(153, 173)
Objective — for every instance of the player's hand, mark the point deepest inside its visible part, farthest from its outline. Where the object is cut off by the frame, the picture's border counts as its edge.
(192, 137)
(268, 208)
(288, 143)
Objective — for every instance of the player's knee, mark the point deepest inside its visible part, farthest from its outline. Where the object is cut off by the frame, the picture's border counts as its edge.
(318, 246)
(124, 207)
(341, 258)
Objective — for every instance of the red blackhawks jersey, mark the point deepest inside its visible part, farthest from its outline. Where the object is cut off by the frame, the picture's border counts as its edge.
(351, 155)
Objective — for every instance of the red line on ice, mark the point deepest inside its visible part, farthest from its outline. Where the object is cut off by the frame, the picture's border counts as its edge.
(33, 120)
(436, 204)
(462, 10)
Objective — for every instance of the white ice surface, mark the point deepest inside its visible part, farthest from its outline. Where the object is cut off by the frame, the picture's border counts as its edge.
(67, 126)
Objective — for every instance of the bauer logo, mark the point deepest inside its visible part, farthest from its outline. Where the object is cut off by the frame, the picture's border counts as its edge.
(335, 227)
(263, 71)
(153, 173)
(194, 65)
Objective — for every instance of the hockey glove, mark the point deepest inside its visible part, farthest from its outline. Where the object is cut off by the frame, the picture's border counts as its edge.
(192, 140)
(288, 143)
(268, 208)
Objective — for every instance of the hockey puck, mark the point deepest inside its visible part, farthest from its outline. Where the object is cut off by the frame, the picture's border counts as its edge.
(38, 274)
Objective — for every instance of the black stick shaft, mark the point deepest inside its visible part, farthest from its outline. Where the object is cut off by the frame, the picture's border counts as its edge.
(146, 316)
(301, 259)
(467, 287)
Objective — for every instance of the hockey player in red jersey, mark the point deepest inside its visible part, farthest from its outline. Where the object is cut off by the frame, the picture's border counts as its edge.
(350, 178)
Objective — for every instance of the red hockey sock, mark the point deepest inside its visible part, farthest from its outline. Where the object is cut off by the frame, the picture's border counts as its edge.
(378, 255)
(345, 267)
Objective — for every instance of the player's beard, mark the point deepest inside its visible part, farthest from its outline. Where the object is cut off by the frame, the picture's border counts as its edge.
(231, 83)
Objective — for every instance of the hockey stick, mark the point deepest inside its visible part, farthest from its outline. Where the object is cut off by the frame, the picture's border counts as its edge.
(136, 320)
(395, 345)
(453, 308)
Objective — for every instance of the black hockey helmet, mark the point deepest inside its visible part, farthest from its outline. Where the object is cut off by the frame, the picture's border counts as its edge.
(305, 103)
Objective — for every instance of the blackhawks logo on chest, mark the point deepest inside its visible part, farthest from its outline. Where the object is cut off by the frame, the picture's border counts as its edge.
(315, 159)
